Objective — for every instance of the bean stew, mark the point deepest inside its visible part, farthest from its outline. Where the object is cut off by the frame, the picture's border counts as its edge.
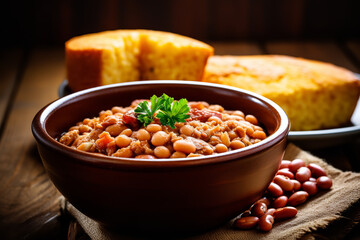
(150, 129)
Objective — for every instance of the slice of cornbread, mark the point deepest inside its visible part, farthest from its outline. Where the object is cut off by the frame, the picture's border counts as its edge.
(173, 57)
(315, 95)
(130, 55)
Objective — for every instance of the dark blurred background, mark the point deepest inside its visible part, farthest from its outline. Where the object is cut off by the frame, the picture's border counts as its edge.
(50, 23)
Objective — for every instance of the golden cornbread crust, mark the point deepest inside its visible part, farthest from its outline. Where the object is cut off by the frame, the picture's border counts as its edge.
(129, 55)
(315, 95)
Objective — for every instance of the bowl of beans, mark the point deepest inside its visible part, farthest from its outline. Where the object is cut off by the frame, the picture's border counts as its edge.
(161, 156)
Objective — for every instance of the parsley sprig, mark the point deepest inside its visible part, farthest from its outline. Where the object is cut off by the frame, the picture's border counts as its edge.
(166, 109)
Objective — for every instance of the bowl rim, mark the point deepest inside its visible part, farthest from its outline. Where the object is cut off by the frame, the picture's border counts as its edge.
(42, 136)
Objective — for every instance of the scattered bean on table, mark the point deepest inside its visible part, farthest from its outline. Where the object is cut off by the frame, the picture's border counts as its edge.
(294, 184)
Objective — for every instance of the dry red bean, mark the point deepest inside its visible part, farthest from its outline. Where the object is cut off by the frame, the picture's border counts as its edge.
(264, 200)
(303, 174)
(284, 213)
(284, 182)
(266, 222)
(284, 164)
(246, 222)
(270, 211)
(316, 170)
(309, 187)
(280, 202)
(297, 198)
(312, 179)
(258, 209)
(296, 164)
(324, 182)
(297, 184)
(245, 213)
(285, 172)
(275, 189)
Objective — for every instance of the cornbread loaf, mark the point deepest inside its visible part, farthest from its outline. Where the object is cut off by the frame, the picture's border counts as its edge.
(130, 55)
(315, 95)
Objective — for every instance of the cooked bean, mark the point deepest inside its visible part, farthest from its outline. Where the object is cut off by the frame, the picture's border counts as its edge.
(232, 135)
(284, 182)
(316, 170)
(115, 129)
(303, 174)
(220, 148)
(285, 172)
(309, 187)
(162, 152)
(153, 128)
(237, 144)
(258, 209)
(122, 141)
(123, 152)
(298, 198)
(241, 131)
(252, 119)
(178, 155)
(296, 164)
(143, 135)
(145, 156)
(187, 130)
(275, 189)
(259, 134)
(184, 146)
(280, 202)
(127, 132)
(284, 213)
(266, 222)
(246, 222)
(160, 138)
(324, 182)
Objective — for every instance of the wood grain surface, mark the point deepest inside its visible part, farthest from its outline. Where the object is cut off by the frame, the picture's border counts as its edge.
(25, 190)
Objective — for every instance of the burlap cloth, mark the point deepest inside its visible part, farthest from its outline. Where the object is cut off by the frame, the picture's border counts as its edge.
(318, 212)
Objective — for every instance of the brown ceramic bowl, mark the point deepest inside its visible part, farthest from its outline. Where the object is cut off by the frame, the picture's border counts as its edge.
(183, 195)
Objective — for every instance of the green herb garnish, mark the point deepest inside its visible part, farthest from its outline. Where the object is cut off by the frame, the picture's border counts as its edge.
(167, 110)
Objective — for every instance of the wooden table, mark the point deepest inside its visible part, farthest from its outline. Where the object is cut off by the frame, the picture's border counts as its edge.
(30, 79)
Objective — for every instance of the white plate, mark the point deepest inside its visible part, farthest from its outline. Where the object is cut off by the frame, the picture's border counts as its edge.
(305, 139)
